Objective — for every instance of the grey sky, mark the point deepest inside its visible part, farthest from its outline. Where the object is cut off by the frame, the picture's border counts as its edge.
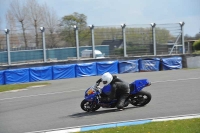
(115, 12)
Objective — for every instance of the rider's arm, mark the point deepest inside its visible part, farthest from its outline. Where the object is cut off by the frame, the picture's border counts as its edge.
(98, 81)
(116, 79)
(113, 93)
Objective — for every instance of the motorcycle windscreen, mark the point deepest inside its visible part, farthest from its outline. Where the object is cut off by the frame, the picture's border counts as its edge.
(106, 89)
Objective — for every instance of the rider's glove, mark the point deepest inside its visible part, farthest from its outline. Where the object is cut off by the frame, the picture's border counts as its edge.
(98, 81)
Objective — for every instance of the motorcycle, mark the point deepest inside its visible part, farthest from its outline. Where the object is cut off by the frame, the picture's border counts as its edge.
(137, 97)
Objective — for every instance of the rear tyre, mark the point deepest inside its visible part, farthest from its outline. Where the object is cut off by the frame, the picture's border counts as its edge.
(140, 99)
(89, 106)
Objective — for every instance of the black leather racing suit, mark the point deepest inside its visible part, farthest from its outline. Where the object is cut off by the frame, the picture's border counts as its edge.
(119, 90)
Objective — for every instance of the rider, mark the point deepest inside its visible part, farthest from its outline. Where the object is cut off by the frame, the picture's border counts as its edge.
(117, 87)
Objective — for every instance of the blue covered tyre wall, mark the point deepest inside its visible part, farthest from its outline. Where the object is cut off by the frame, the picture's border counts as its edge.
(40, 73)
(14, 76)
(107, 66)
(86, 69)
(172, 63)
(63, 71)
(23, 75)
(128, 66)
(146, 65)
(2, 80)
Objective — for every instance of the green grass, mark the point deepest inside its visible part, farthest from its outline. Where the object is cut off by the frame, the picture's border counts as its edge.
(19, 86)
(175, 126)
(196, 52)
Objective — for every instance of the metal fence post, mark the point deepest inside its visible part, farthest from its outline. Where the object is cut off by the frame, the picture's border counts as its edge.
(8, 45)
(182, 36)
(77, 41)
(92, 36)
(124, 38)
(153, 25)
(43, 43)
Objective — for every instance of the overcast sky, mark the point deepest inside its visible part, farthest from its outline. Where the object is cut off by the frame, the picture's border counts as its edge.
(115, 12)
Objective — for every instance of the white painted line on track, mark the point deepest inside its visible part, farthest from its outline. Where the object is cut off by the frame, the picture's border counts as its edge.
(66, 131)
(175, 80)
(14, 91)
(117, 124)
(37, 86)
(175, 118)
(53, 93)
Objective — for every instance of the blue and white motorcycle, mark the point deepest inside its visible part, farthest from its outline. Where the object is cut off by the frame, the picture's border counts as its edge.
(137, 96)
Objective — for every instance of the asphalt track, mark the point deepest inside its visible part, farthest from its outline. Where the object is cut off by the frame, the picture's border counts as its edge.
(175, 92)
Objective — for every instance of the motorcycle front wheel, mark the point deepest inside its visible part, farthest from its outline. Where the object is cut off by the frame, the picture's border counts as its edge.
(140, 99)
(89, 106)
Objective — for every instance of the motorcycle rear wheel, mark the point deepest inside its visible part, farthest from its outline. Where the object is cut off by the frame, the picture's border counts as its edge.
(140, 99)
(89, 106)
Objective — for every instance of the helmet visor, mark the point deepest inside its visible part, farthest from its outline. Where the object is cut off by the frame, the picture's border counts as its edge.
(105, 82)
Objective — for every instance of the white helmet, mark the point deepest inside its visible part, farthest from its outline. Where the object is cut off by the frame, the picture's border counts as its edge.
(106, 78)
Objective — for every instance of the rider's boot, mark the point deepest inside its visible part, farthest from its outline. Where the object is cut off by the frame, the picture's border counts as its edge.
(126, 103)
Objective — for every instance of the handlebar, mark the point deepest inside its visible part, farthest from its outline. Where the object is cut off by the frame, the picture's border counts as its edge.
(97, 88)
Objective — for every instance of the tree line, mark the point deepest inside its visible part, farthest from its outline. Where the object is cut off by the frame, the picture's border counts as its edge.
(24, 18)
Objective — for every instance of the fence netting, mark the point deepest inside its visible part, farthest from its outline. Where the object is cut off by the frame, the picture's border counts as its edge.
(60, 43)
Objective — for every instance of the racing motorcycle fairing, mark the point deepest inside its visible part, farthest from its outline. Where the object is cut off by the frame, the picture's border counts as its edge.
(91, 93)
(139, 85)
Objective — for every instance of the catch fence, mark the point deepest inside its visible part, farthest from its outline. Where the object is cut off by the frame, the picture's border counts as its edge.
(47, 45)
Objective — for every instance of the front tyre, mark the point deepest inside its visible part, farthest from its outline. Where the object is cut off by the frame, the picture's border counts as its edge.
(89, 106)
(140, 99)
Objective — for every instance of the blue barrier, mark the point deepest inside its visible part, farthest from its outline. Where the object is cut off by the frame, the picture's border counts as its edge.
(149, 64)
(107, 66)
(2, 77)
(128, 66)
(63, 71)
(86, 69)
(172, 63)
(14, 76)
(40, 73)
